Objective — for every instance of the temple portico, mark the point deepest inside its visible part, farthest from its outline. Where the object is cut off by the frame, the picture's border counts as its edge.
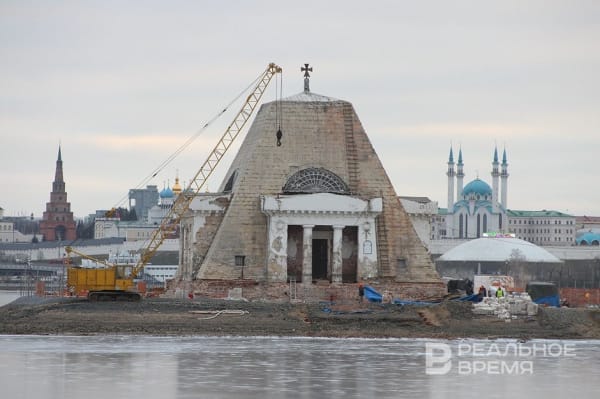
(321, 236)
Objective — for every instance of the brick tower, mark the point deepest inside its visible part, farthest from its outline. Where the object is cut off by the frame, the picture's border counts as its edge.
(315, 207)
(58, 223)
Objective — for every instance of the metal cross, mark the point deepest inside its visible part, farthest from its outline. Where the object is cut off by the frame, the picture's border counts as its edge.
(306, 70)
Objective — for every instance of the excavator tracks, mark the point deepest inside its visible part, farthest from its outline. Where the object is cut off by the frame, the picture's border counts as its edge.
(105, 296)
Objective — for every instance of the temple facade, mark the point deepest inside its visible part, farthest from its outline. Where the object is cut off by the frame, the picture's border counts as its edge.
(314, 206)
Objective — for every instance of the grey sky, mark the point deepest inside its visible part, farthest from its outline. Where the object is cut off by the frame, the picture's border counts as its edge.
(123, 84)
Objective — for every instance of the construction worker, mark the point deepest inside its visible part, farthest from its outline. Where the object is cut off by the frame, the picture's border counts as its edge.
(361, 292)
(499, 292)
(482, 292)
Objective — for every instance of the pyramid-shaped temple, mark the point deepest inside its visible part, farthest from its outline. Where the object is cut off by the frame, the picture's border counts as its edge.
(315, 208)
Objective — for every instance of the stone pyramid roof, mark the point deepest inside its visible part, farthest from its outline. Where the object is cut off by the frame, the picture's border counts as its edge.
(318, 132)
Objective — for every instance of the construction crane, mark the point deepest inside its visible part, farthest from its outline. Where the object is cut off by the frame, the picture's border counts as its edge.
(117, 282)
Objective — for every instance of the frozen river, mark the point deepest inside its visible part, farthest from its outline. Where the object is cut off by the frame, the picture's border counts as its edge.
(8, 296)
(69, 367)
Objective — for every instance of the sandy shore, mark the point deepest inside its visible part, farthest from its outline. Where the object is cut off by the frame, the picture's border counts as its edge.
(157, 316)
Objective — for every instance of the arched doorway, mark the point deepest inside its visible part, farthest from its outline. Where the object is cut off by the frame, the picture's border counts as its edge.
(60, 232)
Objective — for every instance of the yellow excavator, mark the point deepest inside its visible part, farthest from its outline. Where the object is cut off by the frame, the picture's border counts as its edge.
(103, 281)
(108, 281)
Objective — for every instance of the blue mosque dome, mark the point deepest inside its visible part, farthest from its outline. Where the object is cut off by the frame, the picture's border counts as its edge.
(166, 193)
(477, 187)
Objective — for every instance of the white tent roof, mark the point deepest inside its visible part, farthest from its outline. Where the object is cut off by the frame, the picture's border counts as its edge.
(498, 250)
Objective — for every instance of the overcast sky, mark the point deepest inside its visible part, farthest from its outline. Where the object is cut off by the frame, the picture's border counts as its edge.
(121, 85)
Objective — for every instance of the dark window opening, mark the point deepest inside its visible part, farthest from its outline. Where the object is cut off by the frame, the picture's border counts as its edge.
(240, 260)
(320, 259)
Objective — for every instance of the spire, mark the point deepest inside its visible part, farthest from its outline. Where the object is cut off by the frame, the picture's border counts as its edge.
(504, 177)
(451, 173)
(495, 178)
(460, 174)
(504, 173)
(59, 184)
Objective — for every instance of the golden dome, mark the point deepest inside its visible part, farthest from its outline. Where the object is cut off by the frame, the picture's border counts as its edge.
(177, 187)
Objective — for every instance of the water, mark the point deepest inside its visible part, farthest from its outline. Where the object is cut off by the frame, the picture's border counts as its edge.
(8, 296)
(232, 367)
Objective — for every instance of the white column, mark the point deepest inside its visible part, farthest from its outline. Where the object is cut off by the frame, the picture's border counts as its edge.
(367, 249)
(336, 262)
(307, 254)
(277, 258)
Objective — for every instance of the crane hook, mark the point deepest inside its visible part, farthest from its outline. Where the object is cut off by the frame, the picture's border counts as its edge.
(279, 135)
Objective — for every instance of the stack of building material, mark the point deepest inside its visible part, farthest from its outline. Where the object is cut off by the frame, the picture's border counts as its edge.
(510, 307)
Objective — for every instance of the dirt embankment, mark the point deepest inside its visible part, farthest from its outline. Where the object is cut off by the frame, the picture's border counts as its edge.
(197, 317)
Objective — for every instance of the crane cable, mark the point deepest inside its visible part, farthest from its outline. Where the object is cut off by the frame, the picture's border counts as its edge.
(189, 141)
(278, 108)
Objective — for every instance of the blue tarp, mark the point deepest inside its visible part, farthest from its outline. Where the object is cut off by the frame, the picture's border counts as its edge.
(372, 295)
(552, 300)
(470, 298)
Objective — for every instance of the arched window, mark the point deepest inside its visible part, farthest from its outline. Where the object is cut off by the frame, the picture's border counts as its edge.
(460, 226)
(478, 226)
(485, 229)
(315, 180)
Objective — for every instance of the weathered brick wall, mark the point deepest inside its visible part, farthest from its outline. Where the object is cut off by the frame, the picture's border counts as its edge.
(204, 238)
(280, 292)
(314, 135)
(402, 238)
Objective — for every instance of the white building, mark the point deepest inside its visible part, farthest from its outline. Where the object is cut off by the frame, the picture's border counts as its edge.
(8, 233)
(158, 273)
(422, 211)
(129, 230)
(105, 227)
(543, 227)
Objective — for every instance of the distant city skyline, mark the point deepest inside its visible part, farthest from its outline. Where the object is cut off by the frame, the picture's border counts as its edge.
(121, 87)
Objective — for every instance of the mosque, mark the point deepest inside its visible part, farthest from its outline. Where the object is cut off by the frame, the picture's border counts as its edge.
(315, 208)
(477, 209)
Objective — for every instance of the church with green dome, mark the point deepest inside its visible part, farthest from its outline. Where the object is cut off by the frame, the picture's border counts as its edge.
(477, 207)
